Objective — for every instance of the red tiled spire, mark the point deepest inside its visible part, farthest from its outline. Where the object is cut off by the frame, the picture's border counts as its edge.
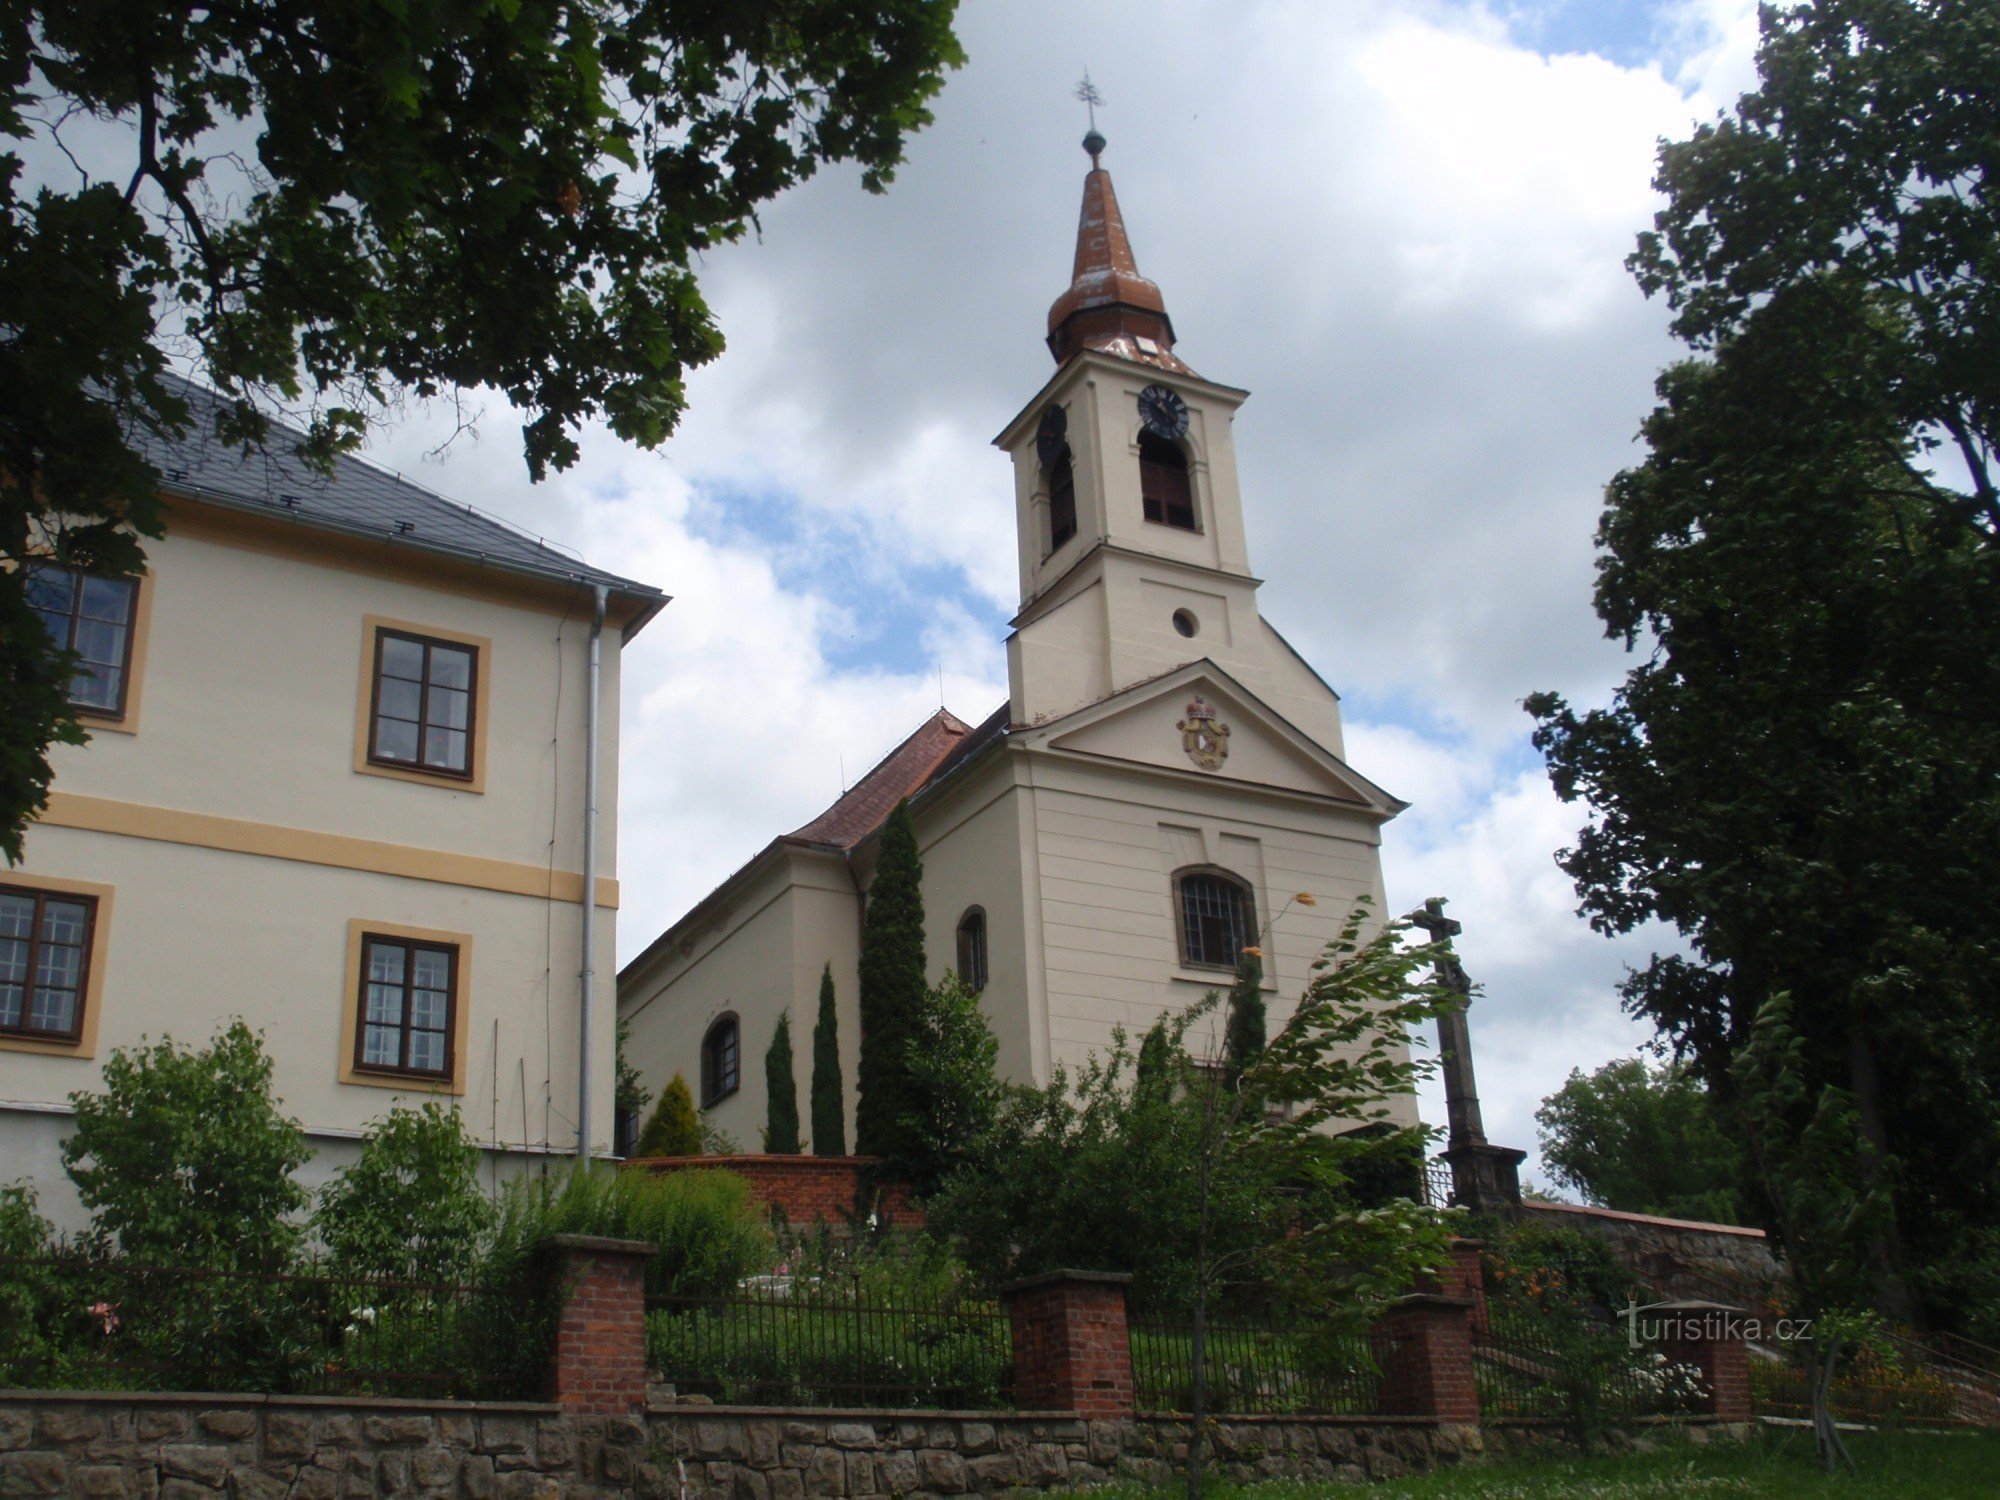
(1109, 306)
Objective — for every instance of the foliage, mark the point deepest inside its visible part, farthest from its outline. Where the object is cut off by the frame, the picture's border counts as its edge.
(317, 204)
(1802, 775)
(829, 1109)
(27, 1341)
(630, 1095)
(674, 1129)
(1643, 1140)
(715, 1141)
(410, 1206)
(1548, 1265)
(951, 1069)
(893, 990)
(1243, 1037)
(1812, 1164)
(781, 1089)
(185, 1160)
(708, 1233)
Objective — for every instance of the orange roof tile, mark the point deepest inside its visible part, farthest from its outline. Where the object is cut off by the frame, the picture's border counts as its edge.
(863, 807)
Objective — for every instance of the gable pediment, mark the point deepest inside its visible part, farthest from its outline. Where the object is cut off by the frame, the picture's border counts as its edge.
(1200, 721)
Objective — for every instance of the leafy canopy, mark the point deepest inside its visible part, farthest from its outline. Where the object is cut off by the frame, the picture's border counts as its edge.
(1801, 774)
(410, 1206)
(1643, 1140)
(319, 204)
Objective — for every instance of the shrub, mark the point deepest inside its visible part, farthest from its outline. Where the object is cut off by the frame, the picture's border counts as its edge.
(411, 1205)
(675, 1128)
(892, 993)
(185, 1160)
(27, 1342)
(781, 1109)
(829, 1111)
(707, 1232)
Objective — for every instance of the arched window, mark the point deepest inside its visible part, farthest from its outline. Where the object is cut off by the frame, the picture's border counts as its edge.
(721, 1060)
(1163, 481)
(972, 949)
(1062, 501)
(1216, 916)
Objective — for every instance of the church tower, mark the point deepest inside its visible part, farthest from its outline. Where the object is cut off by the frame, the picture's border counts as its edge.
(1127, 510)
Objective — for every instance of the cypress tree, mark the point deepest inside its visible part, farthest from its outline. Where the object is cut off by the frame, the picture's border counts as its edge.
(781, 1105)
(829, 1109)
(1244, 1038)
(892, 992)
(674, 1129)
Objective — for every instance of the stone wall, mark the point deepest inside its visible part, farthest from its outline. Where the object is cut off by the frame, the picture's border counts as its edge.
(1682, 1257)
(176, 1447)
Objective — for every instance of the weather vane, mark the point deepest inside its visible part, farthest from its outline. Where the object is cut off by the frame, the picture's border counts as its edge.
(1087, 93)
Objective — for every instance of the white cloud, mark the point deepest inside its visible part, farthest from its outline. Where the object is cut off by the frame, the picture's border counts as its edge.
(1402, 231)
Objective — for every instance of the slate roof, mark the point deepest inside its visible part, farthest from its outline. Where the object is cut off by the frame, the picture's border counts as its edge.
(358, 499)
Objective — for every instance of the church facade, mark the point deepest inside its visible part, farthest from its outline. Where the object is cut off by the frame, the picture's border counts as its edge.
(1164, 786)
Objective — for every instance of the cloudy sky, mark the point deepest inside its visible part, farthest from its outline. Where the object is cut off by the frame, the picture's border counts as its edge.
(1400, 223)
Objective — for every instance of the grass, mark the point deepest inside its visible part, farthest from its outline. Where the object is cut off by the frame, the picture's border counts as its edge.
(1777, 1465)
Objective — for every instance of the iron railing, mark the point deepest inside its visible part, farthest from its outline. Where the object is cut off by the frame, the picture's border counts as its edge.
(1534, 1363)
(1256, 1366)
(87, 1322)
(831, 1342)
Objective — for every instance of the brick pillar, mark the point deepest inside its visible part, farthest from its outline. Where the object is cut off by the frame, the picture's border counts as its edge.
(598, 1362)
(1071, 1349)
(1709, 1336)
(1465, 1276)
(1424, 1346)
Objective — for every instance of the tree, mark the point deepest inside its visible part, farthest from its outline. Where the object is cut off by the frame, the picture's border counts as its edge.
(185, 1160)
(781, 1105)
(675, 1128)
(893, 991)
(317, 205)
(829, 1109)
(409, 1206)
(629, 1094)
(1244, 1037)
(1642, 1140)
(1802, 776)
(957, 1092)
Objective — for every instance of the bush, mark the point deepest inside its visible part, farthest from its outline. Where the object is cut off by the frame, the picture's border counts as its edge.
(708, 1233)
(674, 1129)
(27, 1343)
(184, 1159)
(411, 1206)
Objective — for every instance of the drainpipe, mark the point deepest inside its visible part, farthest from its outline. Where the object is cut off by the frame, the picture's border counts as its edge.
(590, 736)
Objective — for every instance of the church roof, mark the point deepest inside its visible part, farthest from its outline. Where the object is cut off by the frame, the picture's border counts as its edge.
(903, 772)
(1109, 306)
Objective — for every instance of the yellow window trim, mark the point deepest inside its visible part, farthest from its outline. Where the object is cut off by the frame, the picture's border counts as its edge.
(371, 627)
(274, 841)
(461, 1009)
(85, 1045)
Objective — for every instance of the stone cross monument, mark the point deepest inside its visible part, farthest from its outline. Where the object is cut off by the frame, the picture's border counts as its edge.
(1485, 1178)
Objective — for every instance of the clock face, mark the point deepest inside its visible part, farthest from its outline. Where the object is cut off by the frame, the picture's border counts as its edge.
(1052, 436)
(1163, 412)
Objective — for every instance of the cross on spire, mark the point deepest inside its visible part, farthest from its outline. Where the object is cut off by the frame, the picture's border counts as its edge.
(1087, 94)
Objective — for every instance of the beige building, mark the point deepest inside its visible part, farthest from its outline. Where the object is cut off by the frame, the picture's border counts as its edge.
(336, 786)
(1164, 780)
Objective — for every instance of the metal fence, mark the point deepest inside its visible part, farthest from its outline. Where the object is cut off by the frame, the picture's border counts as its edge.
(1256, 1366)
(1554, 1363)
(81, 1322)
(831, 1342)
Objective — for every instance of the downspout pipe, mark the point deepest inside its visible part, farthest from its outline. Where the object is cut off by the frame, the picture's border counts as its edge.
(591, 734)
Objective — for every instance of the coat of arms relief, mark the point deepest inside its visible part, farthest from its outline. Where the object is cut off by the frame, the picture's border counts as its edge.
(1204, 737)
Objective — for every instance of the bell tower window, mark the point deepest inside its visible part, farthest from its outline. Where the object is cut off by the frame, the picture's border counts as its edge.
(1164, 484)
(1062, 500)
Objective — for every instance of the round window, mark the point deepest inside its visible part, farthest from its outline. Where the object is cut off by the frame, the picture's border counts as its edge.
(1186, 623)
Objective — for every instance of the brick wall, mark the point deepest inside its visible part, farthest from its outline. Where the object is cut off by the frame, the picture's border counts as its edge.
(810, 1189)
(598, 1359)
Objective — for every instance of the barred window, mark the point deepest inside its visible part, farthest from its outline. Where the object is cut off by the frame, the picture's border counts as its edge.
(721, 1061)
(409, 992)
(1164, 483)
(44, 962)
(1217, 917)
(91, 616)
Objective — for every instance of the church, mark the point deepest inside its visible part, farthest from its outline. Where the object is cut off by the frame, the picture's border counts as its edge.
(1164, 786)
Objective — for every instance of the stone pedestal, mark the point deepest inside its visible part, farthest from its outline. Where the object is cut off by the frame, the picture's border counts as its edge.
(1485, 1178)
(1072, 1351)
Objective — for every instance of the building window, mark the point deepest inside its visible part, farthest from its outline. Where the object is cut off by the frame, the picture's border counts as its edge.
(1164, 483)
(721, 1061)
(409, 992)
(1216, 915)
(93, 617)
(972, 949)
(423, 704)
(44, 962)
(1062, 501)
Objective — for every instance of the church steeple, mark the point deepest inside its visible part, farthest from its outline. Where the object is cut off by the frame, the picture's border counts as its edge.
(1109, 306)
